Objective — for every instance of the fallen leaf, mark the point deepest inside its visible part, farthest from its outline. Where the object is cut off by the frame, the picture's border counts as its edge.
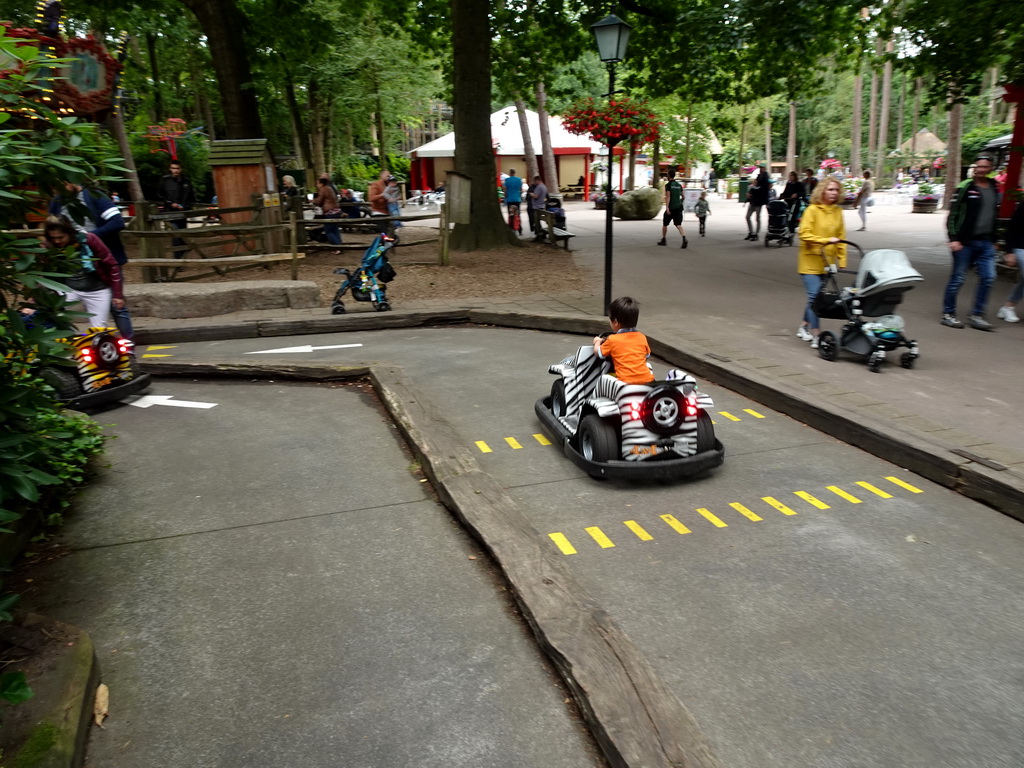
(911, 537)
(101, 705)
(472, 557)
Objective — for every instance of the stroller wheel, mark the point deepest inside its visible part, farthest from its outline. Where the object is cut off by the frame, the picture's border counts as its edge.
(338, 309)
(383, 306)
(827, 347)
(907, 360)
(767, 242)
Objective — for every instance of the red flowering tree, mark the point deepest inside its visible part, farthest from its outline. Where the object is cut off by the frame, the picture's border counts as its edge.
(618, 120)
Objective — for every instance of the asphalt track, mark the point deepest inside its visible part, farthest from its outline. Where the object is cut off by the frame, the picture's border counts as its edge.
(811, 604)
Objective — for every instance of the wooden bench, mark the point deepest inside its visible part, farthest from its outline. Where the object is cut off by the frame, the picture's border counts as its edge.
(549, 232)
(573, 192)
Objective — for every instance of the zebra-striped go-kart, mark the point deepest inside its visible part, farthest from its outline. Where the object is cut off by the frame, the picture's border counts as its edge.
(608, 428)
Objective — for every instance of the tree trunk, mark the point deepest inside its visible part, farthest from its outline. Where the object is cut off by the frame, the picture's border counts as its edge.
(768, 140)
(883, 118)
(956, 120)
(791, 140)
(154, 72)
(317, 124)
(631, 176)
(299, 132)
(873, 105)
(223, 25)
(548, 154)
(115, 124)
(379, 123)
(531, 153)
(917, 116)
(856, 130)
(743, 137)
(656, 160)
(993, 99)
(903, 111)
(689, 133)
(471, 117)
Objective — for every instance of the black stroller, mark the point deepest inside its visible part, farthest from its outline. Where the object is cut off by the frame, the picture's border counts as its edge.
(778, 231)
(368, 281)
(882, 279)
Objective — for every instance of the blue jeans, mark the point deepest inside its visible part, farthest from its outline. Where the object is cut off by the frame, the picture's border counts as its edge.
(981, 255)
(394, 209)
(123, 321)
(812, 284)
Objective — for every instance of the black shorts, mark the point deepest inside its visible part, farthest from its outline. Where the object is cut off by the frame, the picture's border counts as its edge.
(675, 215)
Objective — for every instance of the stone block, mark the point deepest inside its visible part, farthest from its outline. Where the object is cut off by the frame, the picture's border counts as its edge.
(178, 300)
(637, 204)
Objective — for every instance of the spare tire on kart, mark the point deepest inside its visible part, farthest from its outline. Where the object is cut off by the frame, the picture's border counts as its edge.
(598, 439)
(663, 410)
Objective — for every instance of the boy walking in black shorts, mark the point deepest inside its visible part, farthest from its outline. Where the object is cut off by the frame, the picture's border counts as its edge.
(673, 208)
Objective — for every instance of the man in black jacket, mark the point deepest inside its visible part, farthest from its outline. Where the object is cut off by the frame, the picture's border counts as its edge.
(757, 198)
(176, 194)
(971, 227)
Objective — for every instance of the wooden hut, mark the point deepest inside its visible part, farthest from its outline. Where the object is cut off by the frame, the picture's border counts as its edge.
(244, 175)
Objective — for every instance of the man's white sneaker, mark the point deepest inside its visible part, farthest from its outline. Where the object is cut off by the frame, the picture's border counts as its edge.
(803, 334)
(1008, 314)
(814, 343)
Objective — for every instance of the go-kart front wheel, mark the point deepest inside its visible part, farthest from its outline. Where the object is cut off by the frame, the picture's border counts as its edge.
(338, 309)
(705, 432)
(65, 381)
(598, 440)
(558, 406)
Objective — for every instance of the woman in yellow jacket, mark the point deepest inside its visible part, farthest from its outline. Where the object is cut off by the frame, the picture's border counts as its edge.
(820, 227)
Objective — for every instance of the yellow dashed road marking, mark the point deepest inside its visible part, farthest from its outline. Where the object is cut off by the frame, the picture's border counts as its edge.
(172, 346)
(901, 484)
(146, 354)
(636, 528)
(745, 512)
(598, 535)
(711, 518)
(843, 494)
(513, 442)
(870, 487)
(562, 543)
(778, 505)
(484, 447)
(755, 414)
(729, 416)
(541, 439)
(811, 500)
(675, 525)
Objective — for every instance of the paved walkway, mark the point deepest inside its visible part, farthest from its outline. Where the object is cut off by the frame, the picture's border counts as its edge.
(739, 301)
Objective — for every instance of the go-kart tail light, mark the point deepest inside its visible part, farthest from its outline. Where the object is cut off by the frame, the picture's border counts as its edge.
(87, 355)
(636, 411)
(691, 406)
(124, 346)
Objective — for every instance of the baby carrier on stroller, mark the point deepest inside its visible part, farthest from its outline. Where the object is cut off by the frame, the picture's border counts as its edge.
(882, 279)
(367, 283)
(778, 224)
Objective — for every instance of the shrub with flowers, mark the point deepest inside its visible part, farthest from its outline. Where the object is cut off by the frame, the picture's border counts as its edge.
(939, 163)
(850, 189)
(831, 164)
(925, 191)
(748, 170)
(620, 119)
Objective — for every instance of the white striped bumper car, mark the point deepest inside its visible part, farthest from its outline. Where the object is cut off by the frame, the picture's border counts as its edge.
(609, 428)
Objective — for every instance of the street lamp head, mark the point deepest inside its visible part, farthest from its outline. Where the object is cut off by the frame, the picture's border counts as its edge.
(612, 35)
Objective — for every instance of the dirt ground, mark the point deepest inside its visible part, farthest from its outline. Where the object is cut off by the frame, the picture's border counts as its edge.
(513, 271)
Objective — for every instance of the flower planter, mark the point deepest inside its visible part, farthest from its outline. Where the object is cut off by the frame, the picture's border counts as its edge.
(925, 205)
(602, 205)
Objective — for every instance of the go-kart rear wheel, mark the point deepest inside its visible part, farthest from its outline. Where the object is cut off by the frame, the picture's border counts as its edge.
(705, 432)
(64, 381)
(598, 440)
(558, 405)
(338, 309)
(828, 349)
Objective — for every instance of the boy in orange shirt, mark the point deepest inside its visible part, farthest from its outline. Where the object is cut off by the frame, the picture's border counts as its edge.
(626, 347)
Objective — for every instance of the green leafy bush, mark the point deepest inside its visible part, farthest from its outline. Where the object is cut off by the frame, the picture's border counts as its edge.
(44, 450)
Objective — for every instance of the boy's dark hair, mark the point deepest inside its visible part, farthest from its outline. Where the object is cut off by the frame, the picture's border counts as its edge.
(625, 310)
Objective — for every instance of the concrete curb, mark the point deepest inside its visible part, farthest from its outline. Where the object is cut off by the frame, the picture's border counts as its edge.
(58, 718)
(633, 715)
(937, 460)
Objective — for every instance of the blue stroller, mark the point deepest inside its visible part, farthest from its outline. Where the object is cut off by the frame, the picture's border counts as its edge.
(368, 283)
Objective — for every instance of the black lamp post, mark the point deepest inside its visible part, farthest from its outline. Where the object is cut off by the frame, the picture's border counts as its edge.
(612, 35)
